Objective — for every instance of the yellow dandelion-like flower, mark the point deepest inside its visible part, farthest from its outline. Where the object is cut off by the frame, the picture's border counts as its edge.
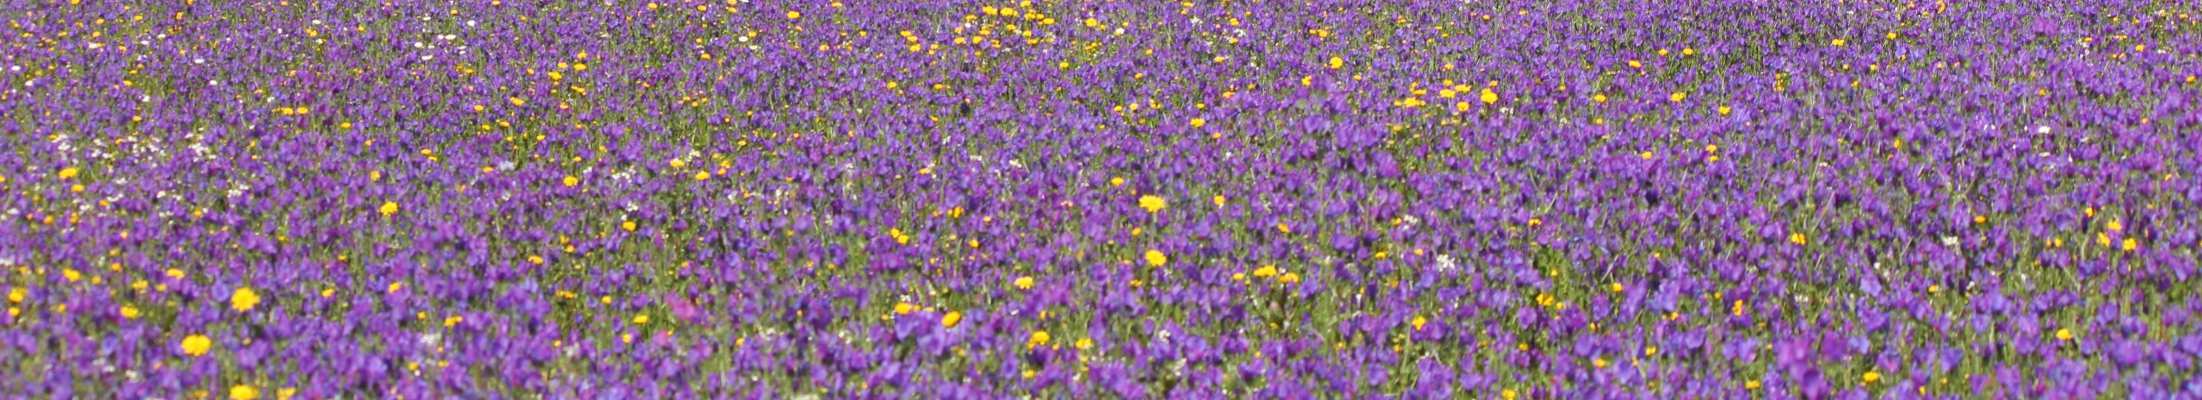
(197, 345)
(949, 320)
(1024, 282)
(1419, 321)
(1336, 62)
(1488, 96)
(903, 308)
(1153, 203)
(1156, 258)
(68, 173)
(1197, 122)
(1039, 338)
(571, 181)
(1265, 271)
(794, 15)
(129, 312)
(388, 208)
(1289, 278)
(642, 319)
(1872, 377)
(1677, 96)
(243, 299)
(1797, 238)
(244, 392)
(2065, 334)
(703, 175)
(1837, 43)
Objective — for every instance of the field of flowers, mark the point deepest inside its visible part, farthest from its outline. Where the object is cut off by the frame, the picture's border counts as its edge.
(1100, 199)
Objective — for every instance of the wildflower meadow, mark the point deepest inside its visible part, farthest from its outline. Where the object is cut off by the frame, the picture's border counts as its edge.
(1358, 199)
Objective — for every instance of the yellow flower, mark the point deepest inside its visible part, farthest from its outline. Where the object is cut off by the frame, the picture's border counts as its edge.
(1155, 258)
(1289, 278)
(1872, 376)
(1336, 62)
(2130, 244)
(1651, 351)
(243, 392)
(1085, 343)
(67, 173)
(1508, 394)
(1797, 238)
(1598, 98)
(641, 319)
(1615, 287)
(571, 181)
(1219, 201)
(627, 225)
(1265, 271)
(129, 312)
(1024, 282)
(1197, 122)
(389, 208)
(1038, 339)
(243, 299)
(197, 345)
(794, 15)
(1419, 322)
(1153, 203)
(703, 175)
(1724, 110)
(1489, 97)
(902, 308)
(1677, 96)
(949, 320)
(1837, 43)
(2065, 334)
